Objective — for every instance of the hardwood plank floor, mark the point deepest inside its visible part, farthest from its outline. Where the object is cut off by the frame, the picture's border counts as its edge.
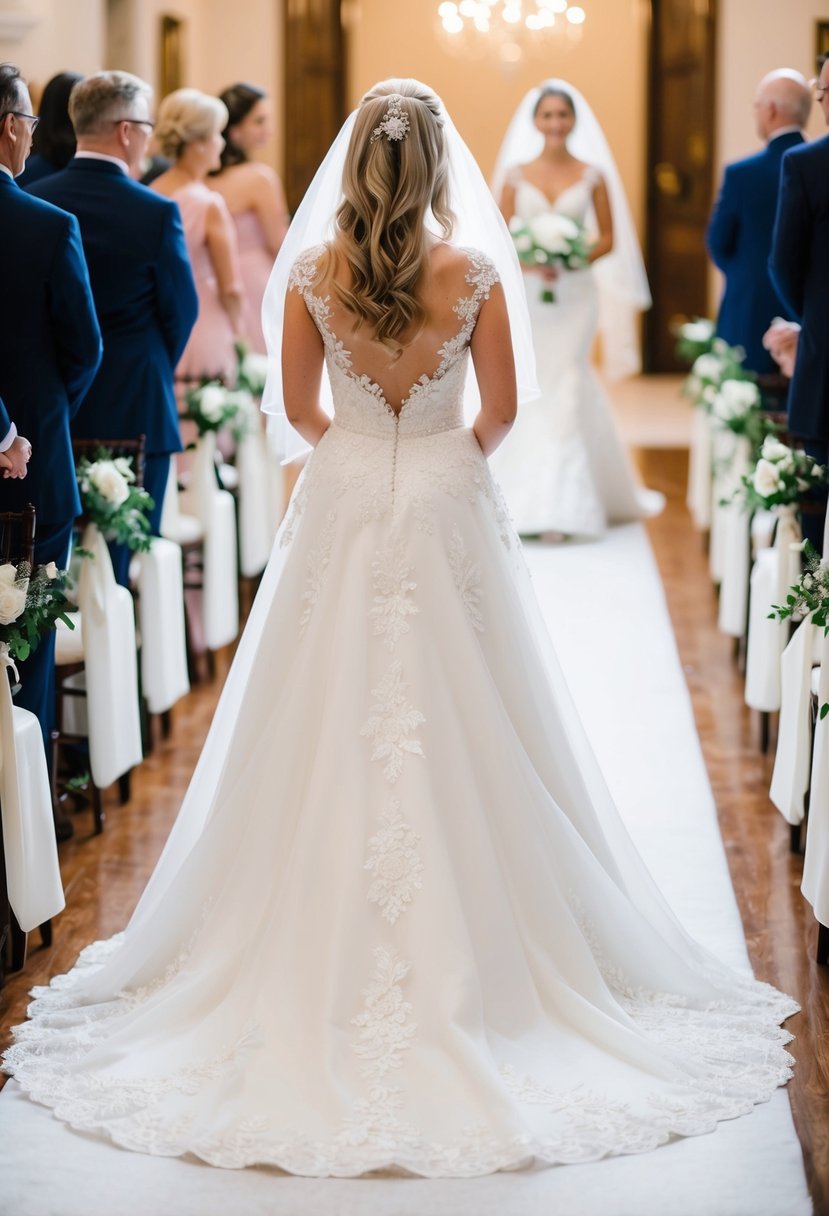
(104, 875)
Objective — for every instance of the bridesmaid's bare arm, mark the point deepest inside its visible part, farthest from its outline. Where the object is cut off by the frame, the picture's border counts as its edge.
(268, 201)
(221, 243)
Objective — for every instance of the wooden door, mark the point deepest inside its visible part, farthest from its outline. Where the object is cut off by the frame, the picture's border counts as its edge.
(680, 169)
(314, 89)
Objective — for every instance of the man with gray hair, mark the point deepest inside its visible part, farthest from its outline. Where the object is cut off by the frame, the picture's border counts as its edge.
(739, 233)
(142, 283)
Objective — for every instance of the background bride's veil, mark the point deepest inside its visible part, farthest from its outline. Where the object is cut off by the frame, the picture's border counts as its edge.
(620, 275)
(478, 225)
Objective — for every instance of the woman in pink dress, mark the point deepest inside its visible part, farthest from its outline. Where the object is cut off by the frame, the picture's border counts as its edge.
(255, 198)
(189, 131)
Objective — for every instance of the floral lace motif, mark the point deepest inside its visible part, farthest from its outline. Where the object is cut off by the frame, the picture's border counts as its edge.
(393, 587)
(317, 565)
(395, 863)
(467, 576)
(386, 1028)
(391, 722)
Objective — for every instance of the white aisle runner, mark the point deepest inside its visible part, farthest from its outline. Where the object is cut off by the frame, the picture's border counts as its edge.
(622, 663)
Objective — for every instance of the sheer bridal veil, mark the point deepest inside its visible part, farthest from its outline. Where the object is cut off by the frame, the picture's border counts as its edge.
(620, 275)
(479, 225)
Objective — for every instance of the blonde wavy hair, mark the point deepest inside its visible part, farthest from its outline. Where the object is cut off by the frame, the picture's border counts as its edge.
(389, 186)
(185, 116)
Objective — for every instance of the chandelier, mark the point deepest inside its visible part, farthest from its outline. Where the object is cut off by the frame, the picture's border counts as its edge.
(510, 28)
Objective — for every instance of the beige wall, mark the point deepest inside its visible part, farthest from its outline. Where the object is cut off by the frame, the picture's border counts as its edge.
(63, 37)
(608, 64)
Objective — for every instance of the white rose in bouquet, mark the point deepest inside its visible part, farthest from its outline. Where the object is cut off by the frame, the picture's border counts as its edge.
(212, 401)
(50, 571)
(766, 478)
(774, 450)
(735, 398)
(700, 330)
(707, 367)
(8, 574)
(254, 368)
(12, 600)
(553, 232)
(109, 481)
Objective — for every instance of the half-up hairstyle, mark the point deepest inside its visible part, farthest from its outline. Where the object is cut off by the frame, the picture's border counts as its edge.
(390, 186)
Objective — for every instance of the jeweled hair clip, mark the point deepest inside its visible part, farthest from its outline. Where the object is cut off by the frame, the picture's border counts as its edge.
(395, 124)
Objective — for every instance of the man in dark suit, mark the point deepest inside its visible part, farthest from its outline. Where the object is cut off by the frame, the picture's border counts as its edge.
(799, 266)
(15, 451)
(140, 273)
(739, 232)
(50, 349)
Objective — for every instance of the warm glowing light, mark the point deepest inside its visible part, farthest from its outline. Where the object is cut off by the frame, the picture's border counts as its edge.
(509, 29)
(576, 15)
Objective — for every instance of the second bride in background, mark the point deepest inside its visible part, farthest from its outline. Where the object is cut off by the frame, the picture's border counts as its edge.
(564, 470)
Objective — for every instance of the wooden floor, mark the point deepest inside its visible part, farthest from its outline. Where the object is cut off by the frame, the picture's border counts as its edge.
(104, 875)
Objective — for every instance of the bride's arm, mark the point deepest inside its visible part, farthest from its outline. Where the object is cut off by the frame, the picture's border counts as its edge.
(302, 359)
(604, 221)
(492, 356)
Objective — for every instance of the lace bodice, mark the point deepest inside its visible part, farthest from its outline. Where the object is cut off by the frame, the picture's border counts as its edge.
(575, 201)
(435, 401)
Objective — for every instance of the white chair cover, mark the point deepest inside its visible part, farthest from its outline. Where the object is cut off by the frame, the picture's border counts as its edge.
(215, 510)
(257, 522)
(815, 885)
(735, 537)
(110, 665)
(774, 572)
(698, 497)
(161, 614)
(724, 444)
(32, 870)
(179, 528)
(790, 779)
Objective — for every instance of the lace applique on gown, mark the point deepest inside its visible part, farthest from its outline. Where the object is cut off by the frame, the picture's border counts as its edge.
(398, 922)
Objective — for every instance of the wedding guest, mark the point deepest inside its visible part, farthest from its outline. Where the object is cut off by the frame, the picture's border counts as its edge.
(53, 145)
(739, 232)
(15, 451)
(50, 349)
(189, 132)
(140, 273)
(255, 198)
(799, 266)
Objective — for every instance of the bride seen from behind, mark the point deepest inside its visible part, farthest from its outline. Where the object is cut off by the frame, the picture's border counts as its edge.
(564, 471)
(399, 923)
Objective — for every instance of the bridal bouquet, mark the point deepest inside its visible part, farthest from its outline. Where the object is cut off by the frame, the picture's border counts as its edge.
(781, 477)
(252, 370)
(213, 407)
(551, 240)
(113, 501)
(31, 602)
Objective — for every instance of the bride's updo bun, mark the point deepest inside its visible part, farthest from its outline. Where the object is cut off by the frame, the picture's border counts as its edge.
(396, 172)
(551, 91)
(185, 116)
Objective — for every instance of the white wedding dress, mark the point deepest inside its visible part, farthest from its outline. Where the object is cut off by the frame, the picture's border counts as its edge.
(398, 922)
(563, 468)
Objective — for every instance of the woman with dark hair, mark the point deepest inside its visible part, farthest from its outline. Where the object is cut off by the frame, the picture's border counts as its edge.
(53, 145)
(254, 195)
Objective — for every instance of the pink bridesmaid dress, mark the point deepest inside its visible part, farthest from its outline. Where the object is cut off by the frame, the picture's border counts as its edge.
(210, 351)
(256, 263)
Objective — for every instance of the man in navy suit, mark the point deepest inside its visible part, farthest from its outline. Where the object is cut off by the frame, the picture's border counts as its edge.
(739, 232)
(799, 266)
(15, 451)
(50, 349)
(140, 273)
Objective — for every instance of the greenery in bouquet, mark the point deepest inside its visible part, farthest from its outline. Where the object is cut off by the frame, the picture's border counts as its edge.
(252, 370)
(781, 477)
(213, 408)
(113, 501)
(31, 602)
(694, 338)
(551, 240)
(808, 597)
(711, 369)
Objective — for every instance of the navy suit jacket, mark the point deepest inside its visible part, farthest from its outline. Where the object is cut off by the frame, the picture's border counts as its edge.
(5, 421)
(144, 295)
(739, 240)
(50, 346)
(799, 266)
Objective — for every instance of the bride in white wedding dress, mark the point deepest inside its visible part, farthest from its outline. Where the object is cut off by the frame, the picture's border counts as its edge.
(564, 469)
(398, 922)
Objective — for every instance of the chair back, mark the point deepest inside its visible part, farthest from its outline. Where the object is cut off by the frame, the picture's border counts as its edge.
(132, 448)
(17, 536)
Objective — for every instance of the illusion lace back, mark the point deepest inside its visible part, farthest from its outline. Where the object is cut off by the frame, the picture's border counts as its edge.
(398, 922)
(563, 468)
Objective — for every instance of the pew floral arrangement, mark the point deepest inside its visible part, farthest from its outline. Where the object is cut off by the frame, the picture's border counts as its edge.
(808, 597)
(736, 404)
(32, 601)
(694, 338)
(213, 408)
(550, 240)
(252, 371)
(781, 477)
(113, 501)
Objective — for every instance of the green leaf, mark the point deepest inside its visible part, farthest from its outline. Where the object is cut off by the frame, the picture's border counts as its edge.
(824, 710)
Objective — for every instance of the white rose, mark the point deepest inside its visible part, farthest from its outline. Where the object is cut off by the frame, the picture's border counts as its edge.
(212, 401)
(8, 573)
(774, 450)
(12, 601)
(766, 478)
(707, 367)
(736, 397)
(808, 582)
(697, 331)
(552, 232)
(255, 366)
(50, 571)
(124, 466)
(109, 482)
